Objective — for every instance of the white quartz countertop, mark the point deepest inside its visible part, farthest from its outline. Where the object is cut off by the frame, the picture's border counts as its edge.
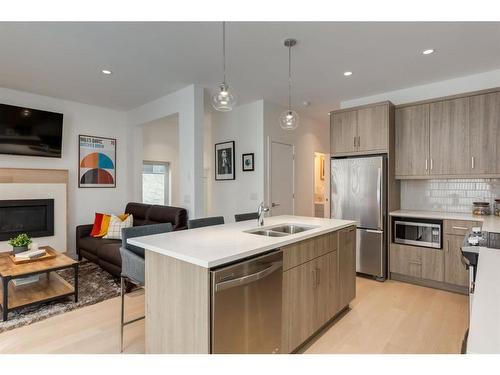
(219, 244)
(490, 223)
(484, 326)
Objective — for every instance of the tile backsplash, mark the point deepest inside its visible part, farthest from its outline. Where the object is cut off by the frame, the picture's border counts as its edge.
(454, 195)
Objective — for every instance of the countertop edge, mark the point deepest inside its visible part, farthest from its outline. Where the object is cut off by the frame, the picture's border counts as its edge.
(286, 241)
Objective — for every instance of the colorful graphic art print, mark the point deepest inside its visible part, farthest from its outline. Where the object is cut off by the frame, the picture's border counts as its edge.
(97, 162)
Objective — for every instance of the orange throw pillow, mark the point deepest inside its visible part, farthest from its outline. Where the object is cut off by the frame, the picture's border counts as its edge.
(104, 226)
(97, 225)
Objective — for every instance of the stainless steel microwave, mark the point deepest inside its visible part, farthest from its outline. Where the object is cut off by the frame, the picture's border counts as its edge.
(418, 232)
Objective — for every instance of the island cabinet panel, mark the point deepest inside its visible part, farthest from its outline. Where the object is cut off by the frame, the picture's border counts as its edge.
(373, 128)
(412, 140)
(484, 130)
(347, 265)
(310, 299)
(177, 306)
(303, 251)
(454, 272)
(449, 141)
(343, 132)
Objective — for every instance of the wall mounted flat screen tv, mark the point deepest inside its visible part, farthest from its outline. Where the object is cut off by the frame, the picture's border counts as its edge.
(31, 132)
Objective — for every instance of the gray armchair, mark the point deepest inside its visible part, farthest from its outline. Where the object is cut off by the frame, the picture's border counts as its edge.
(133, 265)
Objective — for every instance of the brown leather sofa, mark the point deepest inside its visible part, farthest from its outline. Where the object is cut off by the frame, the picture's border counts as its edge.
(106, 252)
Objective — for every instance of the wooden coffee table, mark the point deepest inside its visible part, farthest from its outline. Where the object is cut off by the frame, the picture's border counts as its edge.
(50, 287)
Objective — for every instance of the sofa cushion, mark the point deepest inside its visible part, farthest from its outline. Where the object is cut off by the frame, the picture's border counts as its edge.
(139, 211)
(110, 253)
(91, 244)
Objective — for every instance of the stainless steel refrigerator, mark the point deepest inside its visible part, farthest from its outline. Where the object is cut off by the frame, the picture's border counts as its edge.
(358, 192)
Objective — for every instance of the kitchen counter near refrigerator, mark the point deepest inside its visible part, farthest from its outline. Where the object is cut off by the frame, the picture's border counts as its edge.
(484, 326)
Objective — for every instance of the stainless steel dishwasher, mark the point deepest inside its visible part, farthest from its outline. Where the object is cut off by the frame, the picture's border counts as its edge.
(246, 305)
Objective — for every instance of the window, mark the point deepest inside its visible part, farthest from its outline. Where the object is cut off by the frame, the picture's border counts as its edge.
(155, 183)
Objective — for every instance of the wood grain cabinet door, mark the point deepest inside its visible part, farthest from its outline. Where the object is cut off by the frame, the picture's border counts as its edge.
(373, 128)
(343, 131)
(454, 271)
(484, 133)
(347, 265)
(432, 264)
(449, 137)
(299, 304)
(406, 260)
(412, 140)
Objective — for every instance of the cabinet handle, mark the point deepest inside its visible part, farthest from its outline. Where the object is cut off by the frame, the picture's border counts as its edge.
(472, 162)
(432, 164)
(415, 262)
(318, 273)
(426, 165)
(315, 278)
(460, 228)
(359, 141)
(447, 246)
(354, 141)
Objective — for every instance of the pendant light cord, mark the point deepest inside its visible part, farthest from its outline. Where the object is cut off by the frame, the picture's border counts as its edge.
(224, 50)
(289, 77)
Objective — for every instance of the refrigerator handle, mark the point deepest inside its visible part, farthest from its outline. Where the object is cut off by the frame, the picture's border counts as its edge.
(379, 197)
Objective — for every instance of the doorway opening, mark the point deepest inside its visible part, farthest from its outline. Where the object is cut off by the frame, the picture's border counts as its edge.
(160, 155)
(320, 197)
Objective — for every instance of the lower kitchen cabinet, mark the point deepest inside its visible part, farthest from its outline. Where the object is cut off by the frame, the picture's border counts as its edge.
(347, 265)
(309, 299)
(317, 289)
(454, 271)
(417, 262)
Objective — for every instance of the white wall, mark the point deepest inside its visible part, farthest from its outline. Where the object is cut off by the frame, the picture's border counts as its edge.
(161, 143)
(311, 136)
(188, 104)
(244, 125)
(454, 86)
(78, 119)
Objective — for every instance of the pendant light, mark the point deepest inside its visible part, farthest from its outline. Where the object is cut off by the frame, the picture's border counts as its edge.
(223, 99)
(289, 120)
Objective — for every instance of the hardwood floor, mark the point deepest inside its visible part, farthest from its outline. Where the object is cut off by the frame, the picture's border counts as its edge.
(389, 317)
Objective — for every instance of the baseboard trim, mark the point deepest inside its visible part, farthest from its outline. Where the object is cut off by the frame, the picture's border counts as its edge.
(430, 283)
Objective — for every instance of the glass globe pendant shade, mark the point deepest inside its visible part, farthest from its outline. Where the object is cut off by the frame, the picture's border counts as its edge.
(223, 99)
(289, 120)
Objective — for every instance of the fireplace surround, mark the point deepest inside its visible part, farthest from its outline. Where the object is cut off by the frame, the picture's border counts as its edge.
(32, 216)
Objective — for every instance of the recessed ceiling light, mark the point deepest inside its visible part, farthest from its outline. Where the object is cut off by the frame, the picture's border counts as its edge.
(106, 72)
(427, 51)
(347, 74)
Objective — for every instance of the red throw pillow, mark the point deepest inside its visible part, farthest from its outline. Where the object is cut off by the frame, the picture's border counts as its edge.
(96, 229)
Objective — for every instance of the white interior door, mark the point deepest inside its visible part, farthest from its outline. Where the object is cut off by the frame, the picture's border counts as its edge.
(281, 179)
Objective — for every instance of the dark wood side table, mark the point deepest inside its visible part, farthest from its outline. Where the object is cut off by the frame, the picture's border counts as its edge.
(50, 287)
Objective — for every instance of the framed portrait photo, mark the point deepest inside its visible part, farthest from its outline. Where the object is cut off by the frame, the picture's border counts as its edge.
(247, 162)
(96, 162)
(224, 161)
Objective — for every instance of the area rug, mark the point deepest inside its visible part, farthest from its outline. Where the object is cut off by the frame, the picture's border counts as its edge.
(94, 285)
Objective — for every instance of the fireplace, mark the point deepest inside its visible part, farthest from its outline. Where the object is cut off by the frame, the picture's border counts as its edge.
(32, 216)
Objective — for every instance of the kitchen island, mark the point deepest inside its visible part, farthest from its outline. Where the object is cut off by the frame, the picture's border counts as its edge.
(317, 279)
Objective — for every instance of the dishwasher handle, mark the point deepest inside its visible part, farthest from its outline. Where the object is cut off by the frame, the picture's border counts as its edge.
(247, 279)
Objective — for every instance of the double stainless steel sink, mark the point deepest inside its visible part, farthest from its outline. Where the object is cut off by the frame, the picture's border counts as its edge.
(281, 230)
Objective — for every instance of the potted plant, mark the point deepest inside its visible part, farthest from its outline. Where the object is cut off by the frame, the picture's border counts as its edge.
(20, 243)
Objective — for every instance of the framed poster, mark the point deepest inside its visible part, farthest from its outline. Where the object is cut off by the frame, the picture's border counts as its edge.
(247, 162)
(224, 161)
(96, 162)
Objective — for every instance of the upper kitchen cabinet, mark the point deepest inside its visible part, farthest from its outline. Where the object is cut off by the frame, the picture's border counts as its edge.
(449, 137)
(361, 130)
(343, 132)
(412, 140)
(456, 137)
(373, 128)
(484, 133)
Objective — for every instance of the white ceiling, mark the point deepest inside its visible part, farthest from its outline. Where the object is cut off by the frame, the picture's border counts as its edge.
(150, 60)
